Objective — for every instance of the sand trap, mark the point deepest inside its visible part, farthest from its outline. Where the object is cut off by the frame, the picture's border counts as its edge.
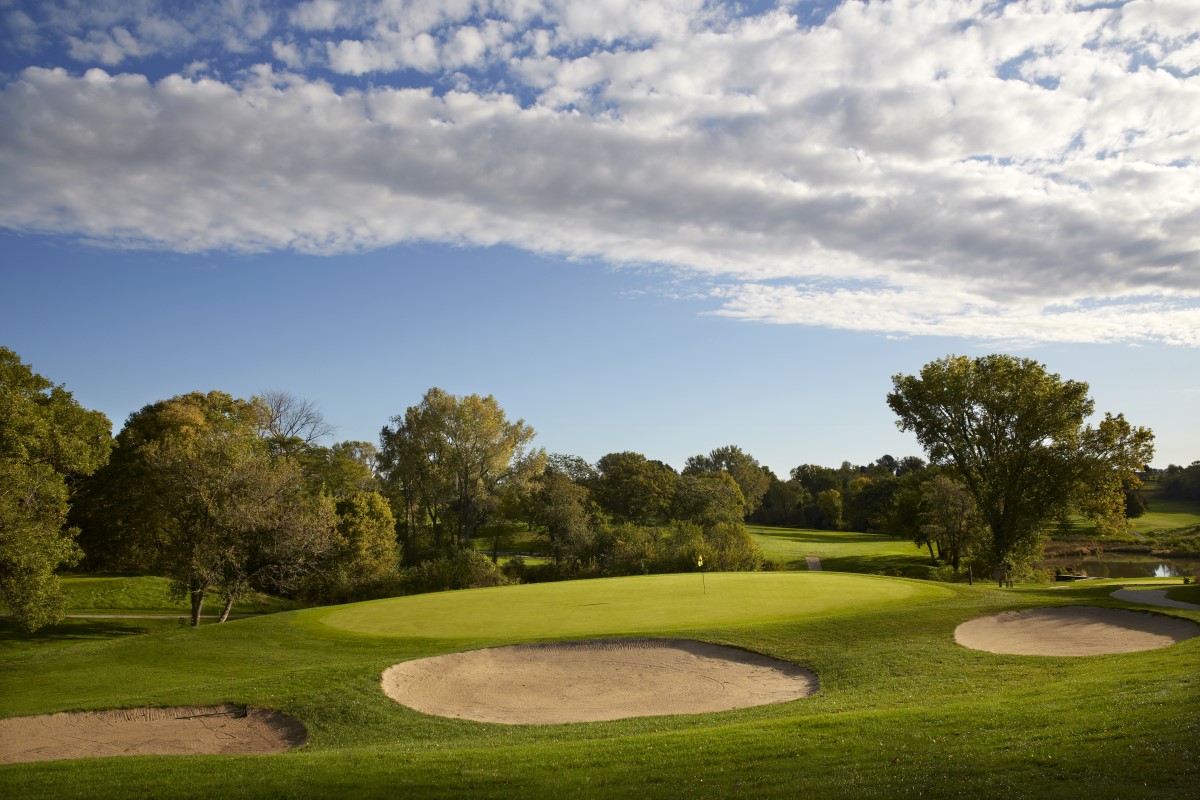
(148, 731)
(1073, 631)
(591, 681)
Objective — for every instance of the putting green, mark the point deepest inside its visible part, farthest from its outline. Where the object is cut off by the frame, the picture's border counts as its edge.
(623, 606)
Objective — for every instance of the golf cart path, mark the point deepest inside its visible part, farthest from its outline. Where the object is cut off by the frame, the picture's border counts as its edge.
(1151, 597)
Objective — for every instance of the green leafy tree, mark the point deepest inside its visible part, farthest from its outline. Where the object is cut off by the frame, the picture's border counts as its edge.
(47, 443)
(342, 469)
(457, 457)
(633, 488)
(1181, 483)
(708, 499)
(783, 502)
(412, 463)
(1015, 434)
(561, 508)
(829, 502)
(195, 491)
(731, 548)
(950, 519)
(364, 548)
(751, 478)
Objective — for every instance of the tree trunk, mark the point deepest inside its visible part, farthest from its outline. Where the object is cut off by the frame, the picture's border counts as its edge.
(932, 557)
(197, 598)
(225, 612)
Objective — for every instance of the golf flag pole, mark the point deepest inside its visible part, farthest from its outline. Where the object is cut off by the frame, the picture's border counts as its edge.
(700, 566)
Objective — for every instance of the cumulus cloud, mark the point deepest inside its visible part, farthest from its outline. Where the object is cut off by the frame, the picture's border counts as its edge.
(1022, 171)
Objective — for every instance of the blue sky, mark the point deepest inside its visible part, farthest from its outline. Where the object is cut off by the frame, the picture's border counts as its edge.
(657, 225)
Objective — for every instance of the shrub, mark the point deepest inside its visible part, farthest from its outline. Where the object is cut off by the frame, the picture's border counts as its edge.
(464, 569)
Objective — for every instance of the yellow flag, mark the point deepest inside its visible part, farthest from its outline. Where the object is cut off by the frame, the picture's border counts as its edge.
(699, 561)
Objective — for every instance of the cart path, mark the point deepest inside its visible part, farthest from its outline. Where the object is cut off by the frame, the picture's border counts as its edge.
(1151, 597)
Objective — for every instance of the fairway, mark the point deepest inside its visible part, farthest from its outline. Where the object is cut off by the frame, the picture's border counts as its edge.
(625, 606)
(840, 551)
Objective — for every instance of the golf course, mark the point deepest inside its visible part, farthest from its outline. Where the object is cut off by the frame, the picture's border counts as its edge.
(901, 709)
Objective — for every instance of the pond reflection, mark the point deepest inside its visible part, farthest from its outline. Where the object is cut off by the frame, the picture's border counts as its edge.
(1125, 567)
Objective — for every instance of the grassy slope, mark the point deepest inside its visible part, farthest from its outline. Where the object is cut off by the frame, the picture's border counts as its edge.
(902, 711)
(125, 594)
(840, 550)
(1167, 515)
(1178, 513)
(619, 606)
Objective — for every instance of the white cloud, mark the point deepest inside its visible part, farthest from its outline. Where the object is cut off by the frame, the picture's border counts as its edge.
(1156, 317)
(1025, 171)
(316, 15)
(287, 53)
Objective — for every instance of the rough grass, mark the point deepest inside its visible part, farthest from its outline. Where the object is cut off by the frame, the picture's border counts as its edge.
(902, 711)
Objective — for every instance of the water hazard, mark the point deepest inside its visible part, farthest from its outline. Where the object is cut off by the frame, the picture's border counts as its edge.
(1125, 567)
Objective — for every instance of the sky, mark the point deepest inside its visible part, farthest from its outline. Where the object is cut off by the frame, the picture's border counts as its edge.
(652, 225)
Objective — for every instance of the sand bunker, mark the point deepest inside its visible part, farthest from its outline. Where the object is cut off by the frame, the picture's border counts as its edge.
(148, 731)
(591, 681)
(1073, 631)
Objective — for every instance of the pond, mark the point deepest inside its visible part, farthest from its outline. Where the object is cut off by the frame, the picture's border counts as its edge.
(1126, 566)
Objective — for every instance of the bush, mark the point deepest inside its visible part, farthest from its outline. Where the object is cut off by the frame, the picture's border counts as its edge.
(464, 569)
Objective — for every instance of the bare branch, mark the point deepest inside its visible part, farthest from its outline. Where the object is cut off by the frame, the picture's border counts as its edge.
(289, 417)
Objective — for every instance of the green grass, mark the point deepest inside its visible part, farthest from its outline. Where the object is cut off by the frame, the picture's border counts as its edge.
(1185, 594)
(1167, 514)
(512, 541)
(127, 594)
(902, 711)
(841, 551)
(618, 606)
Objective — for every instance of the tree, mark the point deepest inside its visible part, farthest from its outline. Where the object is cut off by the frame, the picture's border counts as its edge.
(829, 502)
(193, 489)
(632, 488)
(47, 442)
(949, 519)
(783, 502)
(708, 499)
(1181, 483)
(1015, 434)
(341, 469)
(456, 455)
(744, 468)
(290, 422)
(364, 547)
(560, 506)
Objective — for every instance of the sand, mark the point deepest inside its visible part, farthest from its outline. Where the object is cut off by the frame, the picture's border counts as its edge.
(592, 681)
(1073, 631)
(148, 731)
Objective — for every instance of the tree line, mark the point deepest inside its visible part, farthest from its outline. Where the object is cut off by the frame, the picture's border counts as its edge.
(229, 495)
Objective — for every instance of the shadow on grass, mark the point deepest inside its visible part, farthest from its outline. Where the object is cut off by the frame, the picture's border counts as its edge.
(902, 566)
(823, 537)
(74, 631)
